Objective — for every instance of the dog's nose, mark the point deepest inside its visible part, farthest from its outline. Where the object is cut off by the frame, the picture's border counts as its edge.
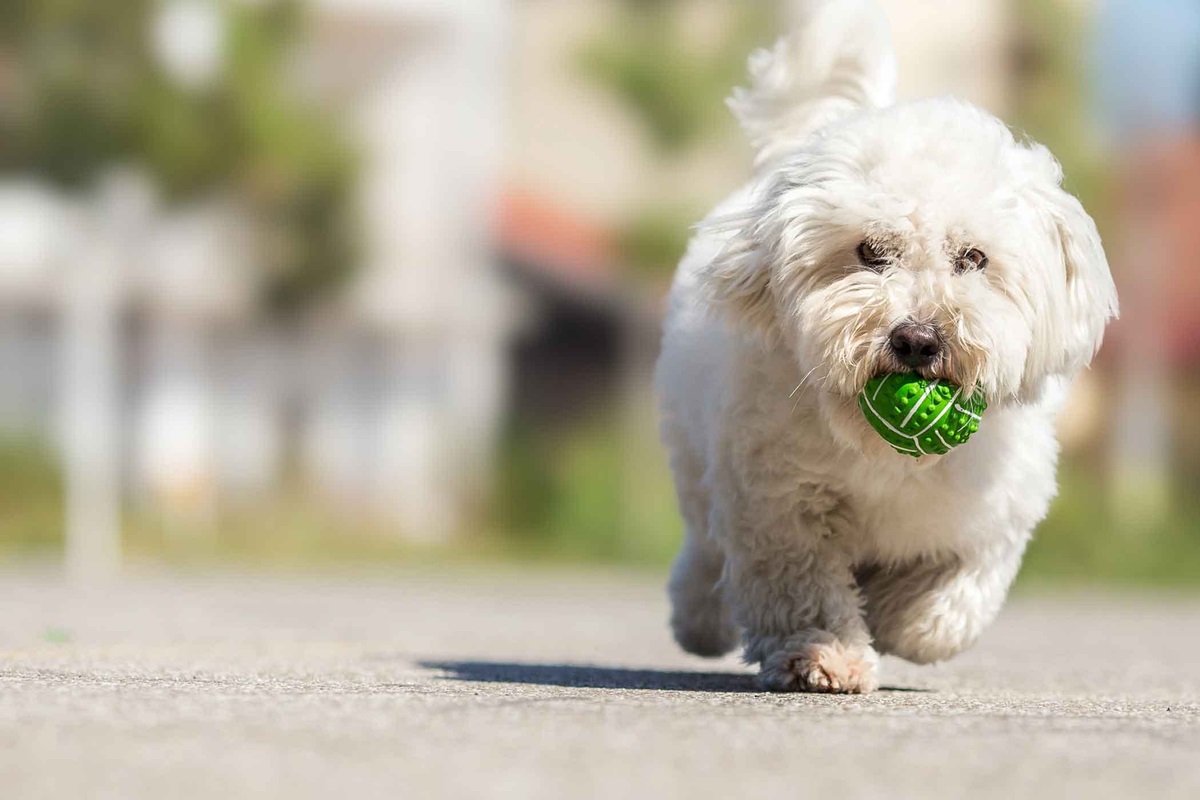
(916, 344)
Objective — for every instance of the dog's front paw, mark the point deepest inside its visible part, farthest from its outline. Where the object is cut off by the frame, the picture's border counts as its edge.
(820, 663)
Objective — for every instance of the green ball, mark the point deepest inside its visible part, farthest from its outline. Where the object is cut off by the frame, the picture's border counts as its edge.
(918, 417)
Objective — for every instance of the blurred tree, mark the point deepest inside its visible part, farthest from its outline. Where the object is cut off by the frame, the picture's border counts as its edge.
(1049, 66)
(673, 82)
(82, 88)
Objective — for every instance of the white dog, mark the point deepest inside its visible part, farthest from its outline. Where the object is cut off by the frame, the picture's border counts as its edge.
(875, 238)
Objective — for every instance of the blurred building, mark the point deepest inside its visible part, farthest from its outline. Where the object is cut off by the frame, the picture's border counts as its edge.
(386, 404)
(494, 176)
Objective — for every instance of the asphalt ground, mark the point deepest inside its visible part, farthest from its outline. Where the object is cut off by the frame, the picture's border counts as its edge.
(559, 685)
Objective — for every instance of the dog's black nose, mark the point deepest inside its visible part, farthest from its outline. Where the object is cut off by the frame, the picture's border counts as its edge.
(916, 344)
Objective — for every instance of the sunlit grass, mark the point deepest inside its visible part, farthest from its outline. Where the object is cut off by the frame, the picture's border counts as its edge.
(1081, 541)
(591, 497)
(31, 499)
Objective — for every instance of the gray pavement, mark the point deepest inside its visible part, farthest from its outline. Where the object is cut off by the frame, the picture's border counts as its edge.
(558, 686)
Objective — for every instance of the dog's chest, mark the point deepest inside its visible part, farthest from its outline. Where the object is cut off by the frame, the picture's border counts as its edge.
(921, 519)
(950, 511)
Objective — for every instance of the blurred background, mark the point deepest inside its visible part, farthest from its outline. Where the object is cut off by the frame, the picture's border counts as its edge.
(380, 281)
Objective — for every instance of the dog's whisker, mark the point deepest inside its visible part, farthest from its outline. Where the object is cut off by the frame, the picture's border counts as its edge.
(803, 380)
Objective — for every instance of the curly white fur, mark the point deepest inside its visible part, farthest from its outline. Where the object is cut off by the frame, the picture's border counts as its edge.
(807, 536)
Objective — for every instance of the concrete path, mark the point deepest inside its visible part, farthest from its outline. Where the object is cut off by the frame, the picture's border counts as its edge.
(559, 686)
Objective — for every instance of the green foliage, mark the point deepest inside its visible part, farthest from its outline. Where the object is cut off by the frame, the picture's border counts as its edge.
(672, 84)
(588, 493)
(584, 494)
(592, 494)
(1081, 542)
(1051, 101)
(81, 90)
(31, 513)
(652, 242)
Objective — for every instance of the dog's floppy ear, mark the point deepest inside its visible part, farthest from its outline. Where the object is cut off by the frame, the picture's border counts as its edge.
(737, 281)
(1082, 297)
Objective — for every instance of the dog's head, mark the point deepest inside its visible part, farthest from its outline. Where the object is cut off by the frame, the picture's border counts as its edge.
(921, 237)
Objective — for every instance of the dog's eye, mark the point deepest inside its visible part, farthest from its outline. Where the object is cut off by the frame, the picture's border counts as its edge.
(870, 256)
(970, 260)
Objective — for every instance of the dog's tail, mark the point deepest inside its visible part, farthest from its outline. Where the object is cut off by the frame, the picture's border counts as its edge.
(839, 59)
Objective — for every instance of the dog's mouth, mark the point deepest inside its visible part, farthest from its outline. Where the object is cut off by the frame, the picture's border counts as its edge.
(942, 369)
(846, 385)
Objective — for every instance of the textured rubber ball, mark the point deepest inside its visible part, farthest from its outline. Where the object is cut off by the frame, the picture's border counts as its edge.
(920, 417)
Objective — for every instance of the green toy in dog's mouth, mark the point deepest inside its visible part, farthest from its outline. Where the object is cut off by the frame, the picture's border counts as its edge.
(920, 417)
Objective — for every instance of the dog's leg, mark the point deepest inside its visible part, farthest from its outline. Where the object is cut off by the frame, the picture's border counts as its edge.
(700, 616)
(798, 606)
(932, 609)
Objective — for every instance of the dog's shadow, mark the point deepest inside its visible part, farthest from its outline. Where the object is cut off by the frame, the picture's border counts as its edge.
(581, 676)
